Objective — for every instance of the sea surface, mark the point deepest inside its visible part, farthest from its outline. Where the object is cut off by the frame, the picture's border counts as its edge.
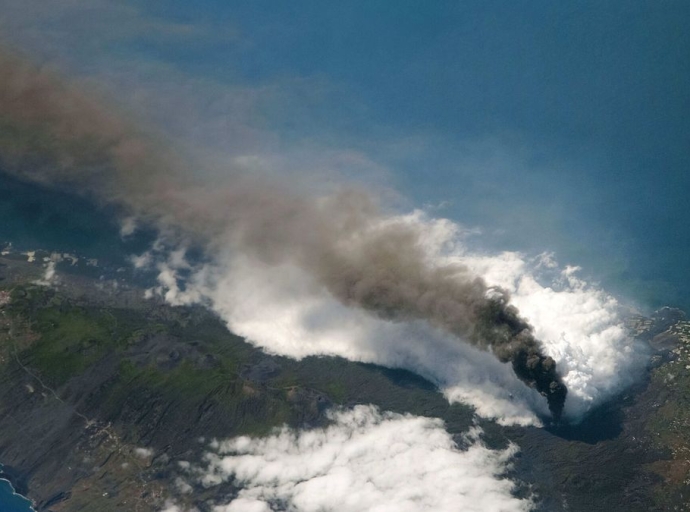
(10, 501)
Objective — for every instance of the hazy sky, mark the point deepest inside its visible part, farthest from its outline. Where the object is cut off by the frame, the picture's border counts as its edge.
(550, 125)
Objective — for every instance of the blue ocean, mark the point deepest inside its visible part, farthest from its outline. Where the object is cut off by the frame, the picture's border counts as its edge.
(11, 502)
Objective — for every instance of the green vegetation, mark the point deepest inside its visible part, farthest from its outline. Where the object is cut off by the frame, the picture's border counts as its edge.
(69, 337)
(69, 342)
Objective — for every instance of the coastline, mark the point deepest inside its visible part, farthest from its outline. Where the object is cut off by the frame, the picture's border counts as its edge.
(16, 490)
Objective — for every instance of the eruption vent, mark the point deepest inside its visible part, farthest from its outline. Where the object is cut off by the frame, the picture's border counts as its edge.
(514, 342)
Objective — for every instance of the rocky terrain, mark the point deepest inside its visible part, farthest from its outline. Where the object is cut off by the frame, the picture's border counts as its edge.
(104, 394)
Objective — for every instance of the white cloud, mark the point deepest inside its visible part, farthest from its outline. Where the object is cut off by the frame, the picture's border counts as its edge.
(128, 227)
(365, 460)
(144, 453)
(183, 486)
(171, 506)
(244, 505)
(49, 277)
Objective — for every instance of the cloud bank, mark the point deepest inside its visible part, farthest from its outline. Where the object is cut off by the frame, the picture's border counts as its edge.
(365, 460)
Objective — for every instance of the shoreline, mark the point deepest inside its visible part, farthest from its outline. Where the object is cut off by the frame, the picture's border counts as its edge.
(17, 489)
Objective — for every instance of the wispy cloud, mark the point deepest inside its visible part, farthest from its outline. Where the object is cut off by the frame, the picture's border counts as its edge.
(72, 28)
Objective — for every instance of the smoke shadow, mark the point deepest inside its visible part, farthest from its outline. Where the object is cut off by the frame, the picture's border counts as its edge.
(604, 423)
(402, 378)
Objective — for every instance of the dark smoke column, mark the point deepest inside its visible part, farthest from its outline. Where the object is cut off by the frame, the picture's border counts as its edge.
(511, 340)
(539, 372)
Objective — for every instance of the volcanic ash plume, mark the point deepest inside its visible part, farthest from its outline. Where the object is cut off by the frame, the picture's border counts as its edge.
(381, 266)
(56, 136)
